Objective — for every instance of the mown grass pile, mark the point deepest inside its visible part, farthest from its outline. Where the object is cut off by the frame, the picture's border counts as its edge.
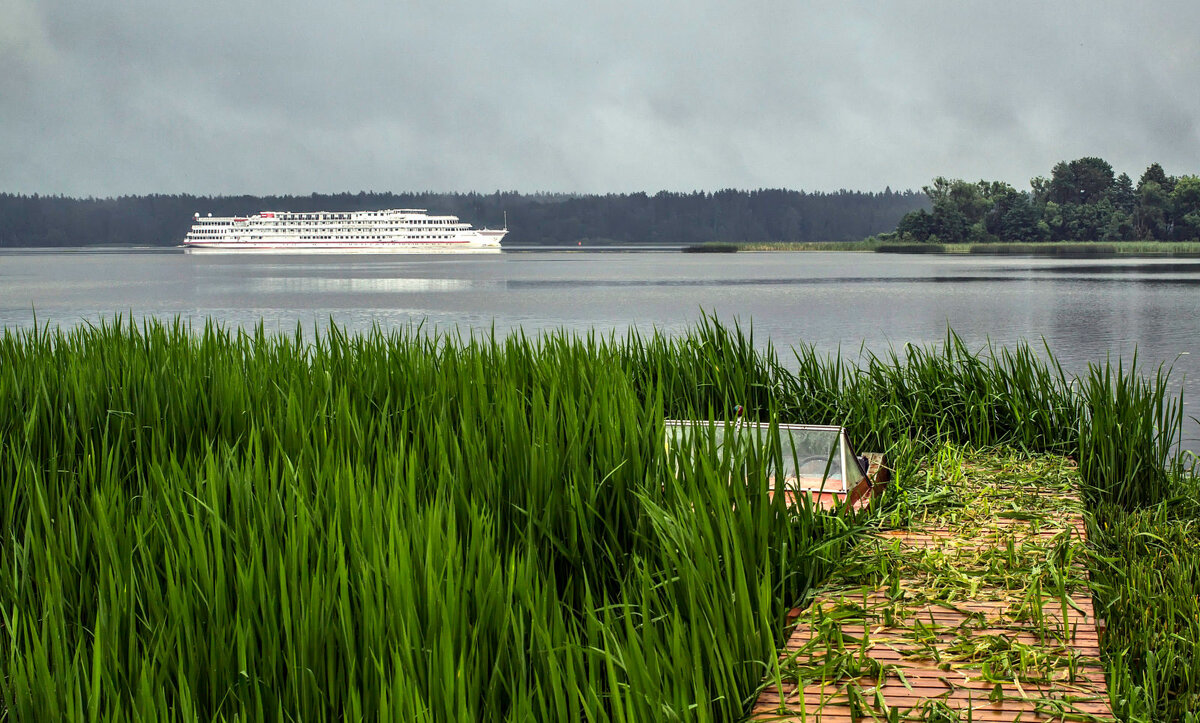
(208, 524)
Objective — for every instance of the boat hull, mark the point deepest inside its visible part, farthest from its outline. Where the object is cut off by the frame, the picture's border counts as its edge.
(240, 247)
(390, 231)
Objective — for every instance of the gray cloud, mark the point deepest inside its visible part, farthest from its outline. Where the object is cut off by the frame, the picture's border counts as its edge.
(107, 98)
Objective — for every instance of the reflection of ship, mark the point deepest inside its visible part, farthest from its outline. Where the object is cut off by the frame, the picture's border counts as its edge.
(398, 230)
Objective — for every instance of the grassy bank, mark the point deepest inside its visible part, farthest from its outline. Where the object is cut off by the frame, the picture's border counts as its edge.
(215, 525)
(1071, 249)
(712, 248)
(867, 245)
(1097, 249)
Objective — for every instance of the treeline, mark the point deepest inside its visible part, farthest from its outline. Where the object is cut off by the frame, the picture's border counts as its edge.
(533, 219)
(1081, 201)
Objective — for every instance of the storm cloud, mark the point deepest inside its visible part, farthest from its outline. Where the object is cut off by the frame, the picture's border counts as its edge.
(107, 98)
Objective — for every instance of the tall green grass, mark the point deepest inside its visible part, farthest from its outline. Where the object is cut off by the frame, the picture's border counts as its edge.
(988, 397)
(1128, 438)
(868, 244)
(210, 524)
(229, 526)
(1147, 577)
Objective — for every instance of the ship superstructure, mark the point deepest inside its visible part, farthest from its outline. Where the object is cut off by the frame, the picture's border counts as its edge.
(404, 229)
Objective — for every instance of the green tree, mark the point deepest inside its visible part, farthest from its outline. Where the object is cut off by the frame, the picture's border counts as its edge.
(949, 224)
(1052, 218)
(1119, 227)
(1150, 220)
(1061, 187)
(1123, 195)
(1185, 197)
(1185, 207)
(1086, 221)
(1085, 180)
(1041, 190)
(1081, 201)
(959, 208)
(1021, 222)
(915, 226)
(1155, 174)
(968, 198)
(1004, 199)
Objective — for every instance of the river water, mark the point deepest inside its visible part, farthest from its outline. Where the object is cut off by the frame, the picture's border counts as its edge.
(1084, 309)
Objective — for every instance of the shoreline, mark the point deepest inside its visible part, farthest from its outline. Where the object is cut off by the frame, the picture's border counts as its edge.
(1133, 249)
(1128, 249)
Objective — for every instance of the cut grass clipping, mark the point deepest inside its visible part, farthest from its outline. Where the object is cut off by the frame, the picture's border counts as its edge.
(978, 596)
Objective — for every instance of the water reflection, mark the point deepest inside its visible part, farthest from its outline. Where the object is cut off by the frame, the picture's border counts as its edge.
(320, 285)
(1144, 267)
(1085, 310)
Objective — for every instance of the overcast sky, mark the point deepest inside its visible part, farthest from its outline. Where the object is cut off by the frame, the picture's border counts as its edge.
(99, 97)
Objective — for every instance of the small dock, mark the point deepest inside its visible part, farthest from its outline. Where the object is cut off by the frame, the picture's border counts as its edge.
(975, 607)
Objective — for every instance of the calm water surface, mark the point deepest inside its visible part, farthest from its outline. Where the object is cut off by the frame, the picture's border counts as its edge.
(1085, 309)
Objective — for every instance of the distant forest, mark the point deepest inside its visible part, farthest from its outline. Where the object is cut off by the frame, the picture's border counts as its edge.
(533, 219)
(1082, 200)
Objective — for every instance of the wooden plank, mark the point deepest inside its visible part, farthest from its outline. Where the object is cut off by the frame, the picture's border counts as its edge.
(947, 628)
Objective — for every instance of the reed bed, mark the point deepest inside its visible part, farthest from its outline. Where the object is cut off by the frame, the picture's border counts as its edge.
(1147, 575)
(213, 524)
(856, 246)
(228, 526)
(1082, 249)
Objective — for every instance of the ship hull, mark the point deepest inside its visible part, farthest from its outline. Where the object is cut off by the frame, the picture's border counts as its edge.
(236, 247)
(393, 231)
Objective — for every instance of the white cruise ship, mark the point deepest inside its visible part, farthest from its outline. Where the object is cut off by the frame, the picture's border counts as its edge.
(396, 230)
